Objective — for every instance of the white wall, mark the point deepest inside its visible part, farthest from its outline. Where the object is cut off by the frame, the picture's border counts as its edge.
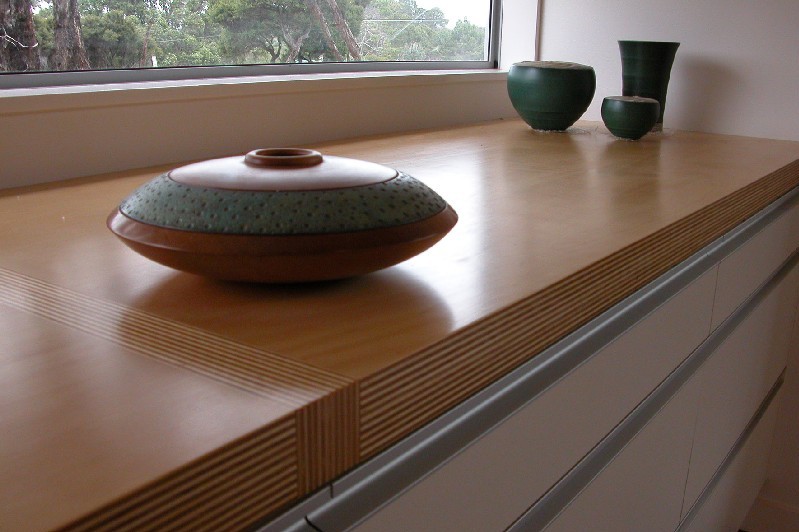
(736, 70)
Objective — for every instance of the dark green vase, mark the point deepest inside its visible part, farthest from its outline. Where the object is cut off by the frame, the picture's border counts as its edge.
(646, 69)
(550, 95)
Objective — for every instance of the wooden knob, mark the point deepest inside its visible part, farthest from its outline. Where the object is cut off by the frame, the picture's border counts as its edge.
(283, 157)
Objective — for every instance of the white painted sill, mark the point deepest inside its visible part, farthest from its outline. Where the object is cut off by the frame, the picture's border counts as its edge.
(96, 129)
(48, 99)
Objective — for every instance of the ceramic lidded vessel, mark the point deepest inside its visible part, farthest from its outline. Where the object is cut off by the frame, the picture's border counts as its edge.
(551, 95)
(630, 117)
(280, 216)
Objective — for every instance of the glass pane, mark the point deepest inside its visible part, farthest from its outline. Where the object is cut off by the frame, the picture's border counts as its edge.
(68, 35)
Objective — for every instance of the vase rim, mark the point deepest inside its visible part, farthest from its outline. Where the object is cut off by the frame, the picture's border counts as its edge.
(672, 43)
(564, 65)
(632, 99)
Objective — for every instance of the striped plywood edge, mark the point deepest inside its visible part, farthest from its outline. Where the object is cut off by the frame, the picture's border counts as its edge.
(246, 479)
(397, 400)
(227, 490)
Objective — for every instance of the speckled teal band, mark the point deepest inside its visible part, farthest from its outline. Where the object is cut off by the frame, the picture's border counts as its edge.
(166, 203)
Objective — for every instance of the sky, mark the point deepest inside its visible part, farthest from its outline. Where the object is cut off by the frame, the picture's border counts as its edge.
(474, 10)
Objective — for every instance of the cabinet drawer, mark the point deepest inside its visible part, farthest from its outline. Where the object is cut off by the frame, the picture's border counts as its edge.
(736, 378)
(749, 266)
(494, 480)
(644, 483)
(725, 508)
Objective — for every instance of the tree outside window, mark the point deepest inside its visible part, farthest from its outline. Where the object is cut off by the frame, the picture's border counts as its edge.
(67, 35)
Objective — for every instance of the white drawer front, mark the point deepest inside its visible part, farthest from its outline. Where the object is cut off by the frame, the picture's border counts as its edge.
(737, 377)
(492, 482)
(725, 509)
(642, 487)
(748, 267)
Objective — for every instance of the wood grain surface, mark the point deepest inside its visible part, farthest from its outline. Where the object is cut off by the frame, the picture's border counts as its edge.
(135, 396)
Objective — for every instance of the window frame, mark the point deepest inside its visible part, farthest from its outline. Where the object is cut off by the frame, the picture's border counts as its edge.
(24, 80)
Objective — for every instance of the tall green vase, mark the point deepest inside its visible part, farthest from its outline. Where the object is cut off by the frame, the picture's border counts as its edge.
(646, 69)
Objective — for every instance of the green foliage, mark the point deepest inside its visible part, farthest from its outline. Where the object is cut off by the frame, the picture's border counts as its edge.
(129, 33)
(255, 31)
(183, 34)
(113, 40)
(264, 31)
(466, 42)
(400, 30)
(43, 20)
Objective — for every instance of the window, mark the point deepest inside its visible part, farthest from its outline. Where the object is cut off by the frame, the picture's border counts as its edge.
(48, 42)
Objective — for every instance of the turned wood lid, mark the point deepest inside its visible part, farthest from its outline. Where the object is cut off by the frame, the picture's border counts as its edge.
(282, 169)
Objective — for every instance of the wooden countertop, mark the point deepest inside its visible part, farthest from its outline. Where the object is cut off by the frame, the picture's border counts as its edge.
(134, 395)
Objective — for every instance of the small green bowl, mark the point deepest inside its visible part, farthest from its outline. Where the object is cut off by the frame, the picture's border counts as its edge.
(550, 95)
(630, 117)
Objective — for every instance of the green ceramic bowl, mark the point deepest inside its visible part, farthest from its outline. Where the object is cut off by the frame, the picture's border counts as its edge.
(630, 117)
(551, 95)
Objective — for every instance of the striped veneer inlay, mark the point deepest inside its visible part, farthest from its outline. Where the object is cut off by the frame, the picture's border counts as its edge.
(416, 390)
(319, 443)
(248, 478)
(226, 490)
(257, 371)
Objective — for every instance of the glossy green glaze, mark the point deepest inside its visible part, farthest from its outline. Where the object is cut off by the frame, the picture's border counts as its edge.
(646, 70)
(630, 117)
(551, 95)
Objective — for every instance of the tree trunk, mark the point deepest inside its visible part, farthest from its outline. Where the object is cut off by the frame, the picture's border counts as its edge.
(274, 53)
(19, 48)
(316, 12)
(144, 59)
(294, 43)
(344, 30)
(70, 54)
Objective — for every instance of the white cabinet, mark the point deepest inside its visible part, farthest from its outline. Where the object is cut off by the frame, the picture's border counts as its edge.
(726, 507)
(658, 478)
(644, 484)
(736, 378)
(656, 426)
(490, 483)
(749, 266)
(638, 489)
